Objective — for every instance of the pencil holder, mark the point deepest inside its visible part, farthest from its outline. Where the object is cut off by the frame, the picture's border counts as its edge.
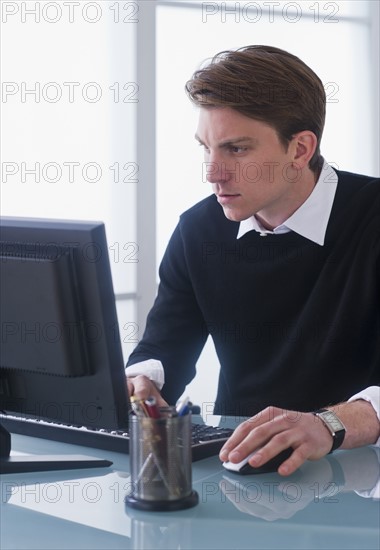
(160, 463)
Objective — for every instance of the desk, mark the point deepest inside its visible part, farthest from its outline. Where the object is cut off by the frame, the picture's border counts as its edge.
(315, 508)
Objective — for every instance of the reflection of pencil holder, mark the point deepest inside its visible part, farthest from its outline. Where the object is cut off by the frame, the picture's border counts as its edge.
(160, 462)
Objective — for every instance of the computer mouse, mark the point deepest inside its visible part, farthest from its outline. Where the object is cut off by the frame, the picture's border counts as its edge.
(271, 466)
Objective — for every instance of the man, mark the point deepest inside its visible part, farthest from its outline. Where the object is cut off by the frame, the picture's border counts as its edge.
(281, 266)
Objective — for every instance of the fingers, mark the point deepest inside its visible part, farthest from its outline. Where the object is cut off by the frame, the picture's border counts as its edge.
(252, 434)
(273, 431)
(131, 387)
(289, 466)
(142, 387)
(278, 446)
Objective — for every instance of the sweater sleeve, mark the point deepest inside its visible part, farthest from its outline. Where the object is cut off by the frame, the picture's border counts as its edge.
(175, 331)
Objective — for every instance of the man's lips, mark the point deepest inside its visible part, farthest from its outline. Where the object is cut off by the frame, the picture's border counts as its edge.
(227, 198)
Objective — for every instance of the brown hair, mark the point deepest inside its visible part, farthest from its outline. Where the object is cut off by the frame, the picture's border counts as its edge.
(267, 84)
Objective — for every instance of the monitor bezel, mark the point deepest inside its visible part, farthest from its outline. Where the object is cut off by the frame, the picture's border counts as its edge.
(98, 399)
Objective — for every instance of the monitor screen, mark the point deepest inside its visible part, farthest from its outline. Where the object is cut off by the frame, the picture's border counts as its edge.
(60, 356)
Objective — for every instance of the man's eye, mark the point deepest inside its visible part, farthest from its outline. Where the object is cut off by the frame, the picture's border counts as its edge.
(236, 149)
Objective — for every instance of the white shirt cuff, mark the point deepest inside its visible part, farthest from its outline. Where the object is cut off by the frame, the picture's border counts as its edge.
(152, 368)
(372, 395)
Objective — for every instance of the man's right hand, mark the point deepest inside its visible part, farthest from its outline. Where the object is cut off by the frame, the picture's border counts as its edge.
(142, 387)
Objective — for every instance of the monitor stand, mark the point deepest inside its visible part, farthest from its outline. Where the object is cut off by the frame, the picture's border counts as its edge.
(42, 463)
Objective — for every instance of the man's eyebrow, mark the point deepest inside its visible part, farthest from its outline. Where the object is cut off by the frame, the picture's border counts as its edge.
(232, 141)
(235, 141)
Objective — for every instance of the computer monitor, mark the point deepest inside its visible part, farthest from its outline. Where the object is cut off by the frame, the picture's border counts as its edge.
(60, 355)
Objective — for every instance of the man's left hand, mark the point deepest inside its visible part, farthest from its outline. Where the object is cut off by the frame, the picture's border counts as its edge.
(273, 430)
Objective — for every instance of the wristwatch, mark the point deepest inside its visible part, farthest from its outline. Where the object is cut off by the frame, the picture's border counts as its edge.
(334, 425)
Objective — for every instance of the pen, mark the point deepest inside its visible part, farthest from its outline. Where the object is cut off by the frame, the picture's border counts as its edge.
(182, 406)
(151, 407)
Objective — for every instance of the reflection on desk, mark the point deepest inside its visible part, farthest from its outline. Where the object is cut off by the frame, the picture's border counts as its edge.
(317, 507)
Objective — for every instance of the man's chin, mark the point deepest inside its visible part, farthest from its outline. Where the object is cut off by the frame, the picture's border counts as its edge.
(234, 215)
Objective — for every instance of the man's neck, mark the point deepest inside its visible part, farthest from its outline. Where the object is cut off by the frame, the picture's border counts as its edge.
(271, 218)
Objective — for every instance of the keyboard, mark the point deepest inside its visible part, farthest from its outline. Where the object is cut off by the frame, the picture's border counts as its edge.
(206, 440)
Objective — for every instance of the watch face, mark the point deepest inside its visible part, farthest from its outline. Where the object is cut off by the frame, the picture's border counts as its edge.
(333, 420)
(334, 425)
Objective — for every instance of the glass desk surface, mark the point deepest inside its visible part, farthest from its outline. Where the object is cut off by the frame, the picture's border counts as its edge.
(324, 505)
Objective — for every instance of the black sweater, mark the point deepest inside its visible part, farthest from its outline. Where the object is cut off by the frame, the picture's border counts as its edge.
(295, 324)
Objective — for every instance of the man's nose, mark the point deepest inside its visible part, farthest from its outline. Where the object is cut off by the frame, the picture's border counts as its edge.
(216, 171)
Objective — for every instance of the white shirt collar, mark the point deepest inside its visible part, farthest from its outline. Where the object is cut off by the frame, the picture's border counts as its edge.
(311, 218)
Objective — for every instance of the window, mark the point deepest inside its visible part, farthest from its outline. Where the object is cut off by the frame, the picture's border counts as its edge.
(93, 93)
(69, 97)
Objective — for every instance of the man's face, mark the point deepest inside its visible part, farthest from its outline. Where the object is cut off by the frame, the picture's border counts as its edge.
(247, 165)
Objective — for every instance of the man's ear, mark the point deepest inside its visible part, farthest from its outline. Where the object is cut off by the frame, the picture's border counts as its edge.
(305, 144)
